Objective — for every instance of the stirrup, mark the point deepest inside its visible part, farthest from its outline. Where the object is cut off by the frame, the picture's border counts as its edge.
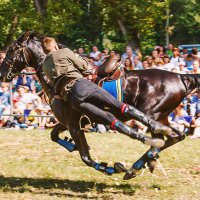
(89, 124)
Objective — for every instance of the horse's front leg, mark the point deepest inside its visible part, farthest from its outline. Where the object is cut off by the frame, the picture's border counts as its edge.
(66, 143)
(81, 144)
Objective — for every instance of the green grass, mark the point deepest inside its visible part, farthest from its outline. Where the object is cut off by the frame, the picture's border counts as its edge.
(34, 168)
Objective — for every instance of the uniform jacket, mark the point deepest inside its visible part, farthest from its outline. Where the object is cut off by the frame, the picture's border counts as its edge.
(63, 68)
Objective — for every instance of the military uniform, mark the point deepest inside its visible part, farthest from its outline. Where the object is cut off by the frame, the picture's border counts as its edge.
(64, 69)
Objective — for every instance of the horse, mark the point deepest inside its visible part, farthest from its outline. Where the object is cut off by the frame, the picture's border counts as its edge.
(156, 97)
(27, 51)
(156, 93)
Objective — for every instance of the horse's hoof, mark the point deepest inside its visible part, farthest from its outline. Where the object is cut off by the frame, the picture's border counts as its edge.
(130, 174)
(119, 167)
(151, 165)
(154, 142)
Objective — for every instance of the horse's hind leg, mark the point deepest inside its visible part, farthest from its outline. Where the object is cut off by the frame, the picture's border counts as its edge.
(152, 154)
(67, 144)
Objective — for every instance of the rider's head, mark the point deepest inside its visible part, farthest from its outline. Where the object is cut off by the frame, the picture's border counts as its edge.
(49, 44)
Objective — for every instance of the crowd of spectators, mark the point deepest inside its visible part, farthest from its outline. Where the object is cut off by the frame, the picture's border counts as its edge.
(28, 99)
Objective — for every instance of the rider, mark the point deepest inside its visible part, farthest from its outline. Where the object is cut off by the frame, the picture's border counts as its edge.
(65, 71)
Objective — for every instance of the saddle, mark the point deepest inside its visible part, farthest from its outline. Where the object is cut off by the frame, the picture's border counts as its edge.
(111, 69)
(109, 66)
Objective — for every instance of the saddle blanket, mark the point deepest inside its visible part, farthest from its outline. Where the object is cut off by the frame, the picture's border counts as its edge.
(114, 87)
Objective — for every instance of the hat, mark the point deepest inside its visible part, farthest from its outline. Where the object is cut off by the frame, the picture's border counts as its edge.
(23, 86)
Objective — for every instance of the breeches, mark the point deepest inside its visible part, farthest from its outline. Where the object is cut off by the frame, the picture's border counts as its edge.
(88, 98)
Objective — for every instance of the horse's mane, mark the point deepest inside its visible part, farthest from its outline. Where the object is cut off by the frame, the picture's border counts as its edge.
(39, 37)
(36, 36)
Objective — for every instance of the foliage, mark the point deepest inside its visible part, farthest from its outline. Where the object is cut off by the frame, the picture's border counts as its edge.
(186, 21)
(108, 24)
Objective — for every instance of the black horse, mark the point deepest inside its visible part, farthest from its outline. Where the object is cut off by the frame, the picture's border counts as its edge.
(27, 51)
(154, 92)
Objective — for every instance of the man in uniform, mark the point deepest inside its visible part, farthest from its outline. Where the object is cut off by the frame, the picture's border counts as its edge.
(65, 71)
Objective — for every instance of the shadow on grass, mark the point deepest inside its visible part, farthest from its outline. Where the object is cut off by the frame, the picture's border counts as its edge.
(21, 185)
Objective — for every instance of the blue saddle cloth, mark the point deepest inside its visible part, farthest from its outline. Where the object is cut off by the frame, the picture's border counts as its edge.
(114, 87)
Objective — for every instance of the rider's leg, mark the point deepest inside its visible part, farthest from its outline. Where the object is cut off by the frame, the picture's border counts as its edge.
(101, 116)
(104, 98)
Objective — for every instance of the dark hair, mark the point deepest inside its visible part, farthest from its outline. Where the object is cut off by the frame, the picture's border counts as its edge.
(194, 51)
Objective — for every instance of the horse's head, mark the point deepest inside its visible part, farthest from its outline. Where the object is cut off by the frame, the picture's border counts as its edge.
(14, 61)
(19, 56)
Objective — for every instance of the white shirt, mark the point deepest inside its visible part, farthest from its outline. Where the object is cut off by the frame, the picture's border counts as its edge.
(26, 99)
(95, 55)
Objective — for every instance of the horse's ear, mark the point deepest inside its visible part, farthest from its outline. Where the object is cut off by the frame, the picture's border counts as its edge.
(24, 37)
(28, 33)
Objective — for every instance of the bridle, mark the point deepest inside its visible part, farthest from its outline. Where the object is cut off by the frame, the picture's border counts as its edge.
(10, 63)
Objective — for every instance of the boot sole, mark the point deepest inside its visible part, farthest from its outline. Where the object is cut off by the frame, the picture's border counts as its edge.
(154, 142)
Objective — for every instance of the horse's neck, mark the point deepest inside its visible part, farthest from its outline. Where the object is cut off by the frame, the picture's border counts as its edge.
(37, 61)
(47, 87)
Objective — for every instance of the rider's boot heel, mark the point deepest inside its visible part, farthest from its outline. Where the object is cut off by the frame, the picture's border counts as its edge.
(127, 130)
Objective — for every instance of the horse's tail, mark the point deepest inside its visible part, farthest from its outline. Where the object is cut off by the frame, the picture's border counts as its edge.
(191, 81)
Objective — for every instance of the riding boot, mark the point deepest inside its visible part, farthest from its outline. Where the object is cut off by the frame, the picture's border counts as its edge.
(156, 127)
(127, 130)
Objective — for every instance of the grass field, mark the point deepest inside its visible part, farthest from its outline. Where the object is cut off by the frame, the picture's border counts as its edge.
(34, 168)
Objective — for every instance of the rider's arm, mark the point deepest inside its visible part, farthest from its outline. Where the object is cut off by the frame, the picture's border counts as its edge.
(80, 63)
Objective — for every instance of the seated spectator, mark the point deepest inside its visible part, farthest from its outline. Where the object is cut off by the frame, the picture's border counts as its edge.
(145, 64)
(43, 109)
(29, 119)
(150, 61)
(81, 52)
(36, 87)
(161, 51)
(196, 126)
(167, 65)
(158, 62)
(112, 53)
(137, 63)
(182, 68)
(2, 56)
(176, 58)
(184, 53)
(23, 97)
(179, 119)
(189, 62)
(24, 80)
(128, 64)
(96, 55)
(169, 51)
(104, 56)
(128, 54)
(195, 55)
(4, 103)
(154, 53)
(196, 69)
(192, 103)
